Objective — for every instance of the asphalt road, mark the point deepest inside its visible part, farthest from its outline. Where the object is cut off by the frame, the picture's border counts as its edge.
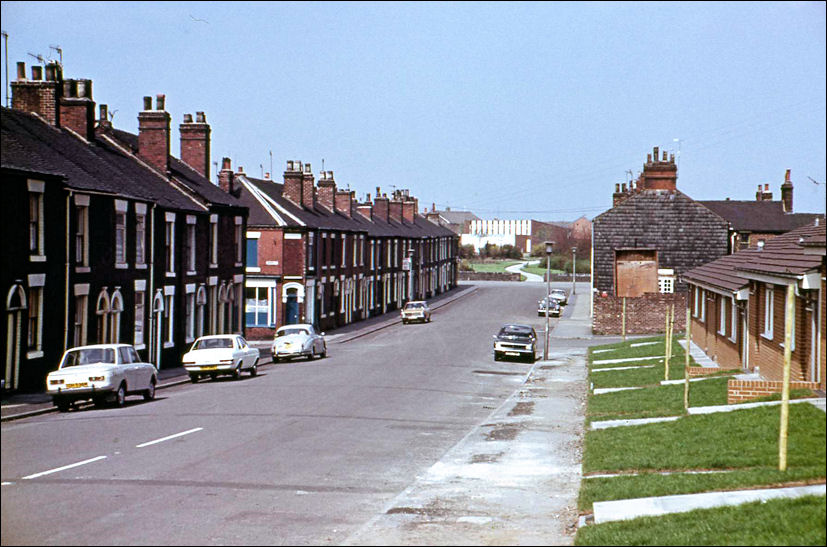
(308, 452)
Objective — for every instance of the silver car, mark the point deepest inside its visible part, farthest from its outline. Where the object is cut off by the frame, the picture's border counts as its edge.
(416, 310)
(299, 340)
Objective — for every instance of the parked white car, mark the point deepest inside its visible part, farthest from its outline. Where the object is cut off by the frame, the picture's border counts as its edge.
(416, 310)
(299, 340)
(100, 372)
(220, 354)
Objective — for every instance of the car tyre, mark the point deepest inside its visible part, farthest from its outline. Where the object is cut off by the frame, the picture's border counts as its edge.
(324, 351)
(120, 396)
(497, 356)
(253, 370)
(149, 394)
(237, 372)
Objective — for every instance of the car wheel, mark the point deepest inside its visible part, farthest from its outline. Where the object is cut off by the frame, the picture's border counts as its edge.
(149, 394)
(237, 372)
(62, 405)
(120, 395)
(254, 370)
(497, 356)
(324, 351)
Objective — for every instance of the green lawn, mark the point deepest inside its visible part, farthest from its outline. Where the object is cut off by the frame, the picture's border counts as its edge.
(775, 522)
(740, 447)
(537, 270)
(493, 267)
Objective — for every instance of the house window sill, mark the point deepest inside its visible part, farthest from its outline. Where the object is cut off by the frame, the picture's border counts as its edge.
(82, 269)
(140, 266)
(37, 258)
(766, 336)
(121, 266)
(34, 354)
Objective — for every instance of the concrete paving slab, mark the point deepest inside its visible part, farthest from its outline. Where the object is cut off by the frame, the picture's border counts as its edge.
(605, 369)
(730, 408)
(609, 511)
(602, 390)
(701, 358)
(605, 424)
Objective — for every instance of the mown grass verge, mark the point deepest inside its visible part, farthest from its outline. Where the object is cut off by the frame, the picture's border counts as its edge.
(798, 521)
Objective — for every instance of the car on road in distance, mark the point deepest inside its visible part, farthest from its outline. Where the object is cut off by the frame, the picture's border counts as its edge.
(220, 354)
(515, 341)
(299, 340)
(560, 295)
(101, 372)
(553, 307)
(416, 310)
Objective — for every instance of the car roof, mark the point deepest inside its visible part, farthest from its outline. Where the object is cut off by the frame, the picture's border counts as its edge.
(517, 327)
(92, 346)
(218, 336)
(296, 325)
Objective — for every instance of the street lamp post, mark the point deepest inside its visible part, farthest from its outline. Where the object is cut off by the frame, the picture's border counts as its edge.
(549, 246)
(573, 267)
(410, 274)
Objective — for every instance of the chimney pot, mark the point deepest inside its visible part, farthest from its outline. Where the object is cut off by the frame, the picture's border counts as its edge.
(267, 175)
(37, 73)
(104, 113)
(21, 70)
(200, 117)
(147, 103)
(767, 187)
(50, 72)
(187, 118)
(648, 158)
(159, 101)
(656, 153)
(226, 163)
(240, 169)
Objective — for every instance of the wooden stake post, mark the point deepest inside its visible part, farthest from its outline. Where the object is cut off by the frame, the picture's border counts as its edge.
(789, 309)
(686, 364)
(623, 320)
(670, 324)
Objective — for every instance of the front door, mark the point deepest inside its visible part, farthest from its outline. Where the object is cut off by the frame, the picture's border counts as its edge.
(292, 307)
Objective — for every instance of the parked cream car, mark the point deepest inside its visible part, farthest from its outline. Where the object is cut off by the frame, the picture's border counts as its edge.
(299, 340)
(416, 310)
(220, 354)
(101, 372)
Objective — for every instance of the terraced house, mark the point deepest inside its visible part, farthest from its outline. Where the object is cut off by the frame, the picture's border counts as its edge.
(738, 310)
(316, 255)
(108, 237)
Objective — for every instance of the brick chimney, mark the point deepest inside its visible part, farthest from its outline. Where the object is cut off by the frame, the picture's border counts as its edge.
(395, 209)
(103, 118)
(365, 209)
(759, 195)
(343, 199)
(293, 182)
(308, 192)
(767, 195)
(433, 216)
(37, 95)
(326, 190)
(153, 134)
(787, 193)
(410, 208)
(660, 174)
(225, 176)
(76, 107)
(618, 196)
(380, 206)
(195, 143)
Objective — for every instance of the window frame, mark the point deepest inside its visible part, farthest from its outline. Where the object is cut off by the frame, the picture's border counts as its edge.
(769, 311)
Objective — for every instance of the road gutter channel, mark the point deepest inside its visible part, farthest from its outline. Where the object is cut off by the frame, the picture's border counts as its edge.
(186, 379)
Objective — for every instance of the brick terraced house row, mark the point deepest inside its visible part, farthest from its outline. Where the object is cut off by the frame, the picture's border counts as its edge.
(109, 238)
(737, 305)
(316, 255)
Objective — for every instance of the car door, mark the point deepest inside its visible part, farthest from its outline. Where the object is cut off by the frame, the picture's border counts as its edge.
(244, 352)
(127, 368)
(143, 371)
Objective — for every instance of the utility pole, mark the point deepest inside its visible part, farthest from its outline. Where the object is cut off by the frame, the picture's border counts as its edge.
(573, 269)
(789, 309)
(549, 246)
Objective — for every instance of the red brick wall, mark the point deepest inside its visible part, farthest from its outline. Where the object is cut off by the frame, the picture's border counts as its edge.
(271, 249)
(36, 96)
(153, 138)
(644, 314)
(78, 115)
(718, 347)
(739, 391)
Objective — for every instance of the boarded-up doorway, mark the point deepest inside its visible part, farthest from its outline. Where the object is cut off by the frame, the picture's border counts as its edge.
(636, 272)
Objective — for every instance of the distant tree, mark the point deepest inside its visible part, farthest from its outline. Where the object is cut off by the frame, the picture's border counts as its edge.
(467, 251)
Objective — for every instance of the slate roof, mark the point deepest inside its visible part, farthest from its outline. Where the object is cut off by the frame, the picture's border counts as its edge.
(721, 273)
(759, 216)
(31, 144)
(457, 217)
(785, 256)
(320, 217)
(181, 172)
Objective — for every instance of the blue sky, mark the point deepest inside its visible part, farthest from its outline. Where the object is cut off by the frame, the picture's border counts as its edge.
(510, 110)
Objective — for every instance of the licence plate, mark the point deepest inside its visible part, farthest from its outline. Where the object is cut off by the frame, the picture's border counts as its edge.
(72, 386)
(210, 367)
(512, 353)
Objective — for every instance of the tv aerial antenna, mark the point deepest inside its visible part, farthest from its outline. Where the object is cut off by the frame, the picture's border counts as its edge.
(59, 52)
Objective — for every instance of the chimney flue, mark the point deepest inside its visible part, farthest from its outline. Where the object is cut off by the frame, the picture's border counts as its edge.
(147, 103)
(21, 70)
(37, 73)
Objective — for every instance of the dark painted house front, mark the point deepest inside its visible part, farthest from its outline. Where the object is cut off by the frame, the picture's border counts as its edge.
(111, 239)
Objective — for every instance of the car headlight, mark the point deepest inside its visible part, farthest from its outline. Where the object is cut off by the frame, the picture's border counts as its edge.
(97, 378)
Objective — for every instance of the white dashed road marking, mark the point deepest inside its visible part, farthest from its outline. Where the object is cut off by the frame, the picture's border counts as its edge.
(64, 467)
(156, 441)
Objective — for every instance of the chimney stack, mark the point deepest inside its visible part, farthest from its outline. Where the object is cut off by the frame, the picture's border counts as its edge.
(380, 206)
(787, 193)
(395, 209)
(308, 191)
(767, 195)
(293, 182)
(38, 96)
(153, 134)
(365, 209)
(225, 176)
(410, 208)
(326, 190)
(343, 202)
(195, 143)
(77, 109)
(659, 174)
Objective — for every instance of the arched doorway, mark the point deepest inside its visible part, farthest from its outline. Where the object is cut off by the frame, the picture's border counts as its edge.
(292, 296)
(15, 306)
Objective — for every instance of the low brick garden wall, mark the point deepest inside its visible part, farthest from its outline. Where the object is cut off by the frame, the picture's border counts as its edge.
(739, 391)
(644, 314)
(489, 276)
